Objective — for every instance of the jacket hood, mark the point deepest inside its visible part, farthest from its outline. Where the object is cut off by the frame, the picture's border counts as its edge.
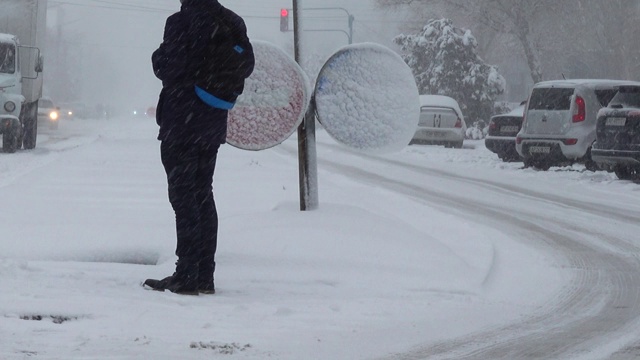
(200, 3)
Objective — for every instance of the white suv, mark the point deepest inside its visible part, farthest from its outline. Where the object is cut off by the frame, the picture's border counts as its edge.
(559, 124)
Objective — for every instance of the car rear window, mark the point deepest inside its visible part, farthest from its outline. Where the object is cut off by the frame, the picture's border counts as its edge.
(551, 99)
(430, 116)
(605, 95)
(627, 97)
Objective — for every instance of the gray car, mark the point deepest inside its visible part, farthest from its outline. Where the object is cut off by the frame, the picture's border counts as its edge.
(48, 113)
(441, 122)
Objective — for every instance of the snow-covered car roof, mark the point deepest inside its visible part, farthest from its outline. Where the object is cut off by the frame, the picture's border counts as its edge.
(440, 101)
(519, 111)
(584, 82)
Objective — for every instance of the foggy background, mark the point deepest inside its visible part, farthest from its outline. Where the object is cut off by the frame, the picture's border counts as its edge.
(98, 51)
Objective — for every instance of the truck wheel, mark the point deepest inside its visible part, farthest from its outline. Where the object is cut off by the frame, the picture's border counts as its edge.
(30, 123)
(10, 140)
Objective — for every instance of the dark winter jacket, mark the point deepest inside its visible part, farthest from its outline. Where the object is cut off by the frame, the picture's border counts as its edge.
(194, 56)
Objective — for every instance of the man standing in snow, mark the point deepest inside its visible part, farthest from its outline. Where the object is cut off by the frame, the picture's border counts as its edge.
(203, 61)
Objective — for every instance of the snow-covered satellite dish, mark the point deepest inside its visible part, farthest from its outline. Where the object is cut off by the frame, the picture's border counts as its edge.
(275, 99)
(367, 99)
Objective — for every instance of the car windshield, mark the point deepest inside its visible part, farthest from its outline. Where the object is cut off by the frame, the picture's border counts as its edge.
(627, 97)
(44, 103)
(551, 99)
(7, 58)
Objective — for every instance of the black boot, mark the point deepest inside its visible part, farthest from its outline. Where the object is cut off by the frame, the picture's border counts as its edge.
(184, 281)
(173, 284)
(205, 277)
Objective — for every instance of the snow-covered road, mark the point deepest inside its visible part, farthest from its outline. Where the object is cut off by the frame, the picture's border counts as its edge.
(430, 253)
(591, 236)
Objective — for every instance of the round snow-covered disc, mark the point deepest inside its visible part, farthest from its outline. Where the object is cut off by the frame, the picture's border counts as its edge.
(367, 99)
(275, 99)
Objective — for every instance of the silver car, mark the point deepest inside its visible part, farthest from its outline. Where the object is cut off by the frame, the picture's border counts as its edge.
(559, 125)
(441, 122)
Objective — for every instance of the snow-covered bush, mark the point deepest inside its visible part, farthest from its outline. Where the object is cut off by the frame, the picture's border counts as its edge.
(445, 61)
(478, 130)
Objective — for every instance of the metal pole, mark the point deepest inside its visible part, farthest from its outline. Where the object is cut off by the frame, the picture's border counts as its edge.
(307, 157)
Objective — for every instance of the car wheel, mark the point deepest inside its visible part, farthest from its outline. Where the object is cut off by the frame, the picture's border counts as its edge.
(458, 145)
(591, 165)
(626, 172)
(543, 165)
(514, 157)
(527, 162)
(588, 161)
(538, 164)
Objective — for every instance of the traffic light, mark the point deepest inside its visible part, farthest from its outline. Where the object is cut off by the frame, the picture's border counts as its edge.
(284, 20)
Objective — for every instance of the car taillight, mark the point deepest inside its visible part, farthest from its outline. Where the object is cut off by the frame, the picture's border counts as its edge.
(458, 123)
(518, 140)
(633, 114)
(580, 111)
(570, 141)
(492, 125)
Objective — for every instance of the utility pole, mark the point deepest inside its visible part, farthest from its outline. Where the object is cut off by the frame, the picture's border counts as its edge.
(307, 156)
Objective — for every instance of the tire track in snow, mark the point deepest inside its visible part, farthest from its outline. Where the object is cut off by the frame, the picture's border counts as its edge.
(600, 306)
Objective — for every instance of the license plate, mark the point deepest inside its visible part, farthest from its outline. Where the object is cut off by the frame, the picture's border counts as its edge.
(509, 129)
(539, 149)
(434, 134)
(616, 121)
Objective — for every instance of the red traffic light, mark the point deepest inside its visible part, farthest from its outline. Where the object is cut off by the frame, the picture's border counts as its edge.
(284, 20)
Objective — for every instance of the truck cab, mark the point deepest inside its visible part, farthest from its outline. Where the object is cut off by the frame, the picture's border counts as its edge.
(22, 35)
(11, 99)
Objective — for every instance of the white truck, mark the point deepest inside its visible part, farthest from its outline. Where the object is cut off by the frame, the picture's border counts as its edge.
(22, 35)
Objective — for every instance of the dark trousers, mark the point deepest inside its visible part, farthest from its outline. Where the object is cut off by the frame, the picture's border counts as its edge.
(190, 169)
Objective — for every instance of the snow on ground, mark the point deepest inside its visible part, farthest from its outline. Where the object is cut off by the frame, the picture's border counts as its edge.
(86, 219)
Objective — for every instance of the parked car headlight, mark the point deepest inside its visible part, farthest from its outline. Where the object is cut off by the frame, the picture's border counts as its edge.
(53, 115)
(10, 106)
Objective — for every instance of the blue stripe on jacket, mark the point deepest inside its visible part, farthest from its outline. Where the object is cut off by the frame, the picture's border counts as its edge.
(212, 100)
